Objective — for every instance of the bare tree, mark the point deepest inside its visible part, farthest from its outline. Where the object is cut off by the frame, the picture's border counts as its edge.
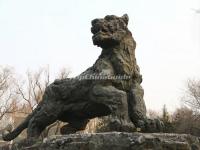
(32, 89)
(186, 121)
(192, 94)
(189, 116)
(6, 92)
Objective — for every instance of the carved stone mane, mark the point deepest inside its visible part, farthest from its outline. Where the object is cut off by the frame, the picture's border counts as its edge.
(122, 56)
(118, 50)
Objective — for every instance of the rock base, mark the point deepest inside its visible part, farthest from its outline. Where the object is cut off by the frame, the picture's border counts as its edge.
(112, 141)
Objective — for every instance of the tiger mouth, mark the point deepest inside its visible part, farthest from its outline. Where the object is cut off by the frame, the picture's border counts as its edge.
(100, 33)
(99, 29)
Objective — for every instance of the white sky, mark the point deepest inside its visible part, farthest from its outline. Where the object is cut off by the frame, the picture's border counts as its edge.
(40, 32)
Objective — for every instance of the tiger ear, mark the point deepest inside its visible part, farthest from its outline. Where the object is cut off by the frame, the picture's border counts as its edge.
(125, 18)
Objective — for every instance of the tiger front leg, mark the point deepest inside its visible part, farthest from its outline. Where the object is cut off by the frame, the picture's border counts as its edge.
(137, 111)
(116, 101)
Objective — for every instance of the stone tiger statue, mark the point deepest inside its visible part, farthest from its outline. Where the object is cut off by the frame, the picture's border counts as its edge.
(97, 92)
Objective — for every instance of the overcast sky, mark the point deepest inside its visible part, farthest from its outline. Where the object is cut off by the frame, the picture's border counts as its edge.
(35, 33)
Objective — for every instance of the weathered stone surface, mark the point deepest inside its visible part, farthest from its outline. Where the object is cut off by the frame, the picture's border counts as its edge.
(114, 141)
(111, 87)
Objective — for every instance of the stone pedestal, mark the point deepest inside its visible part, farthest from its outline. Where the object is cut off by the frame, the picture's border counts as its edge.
(113, 141)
